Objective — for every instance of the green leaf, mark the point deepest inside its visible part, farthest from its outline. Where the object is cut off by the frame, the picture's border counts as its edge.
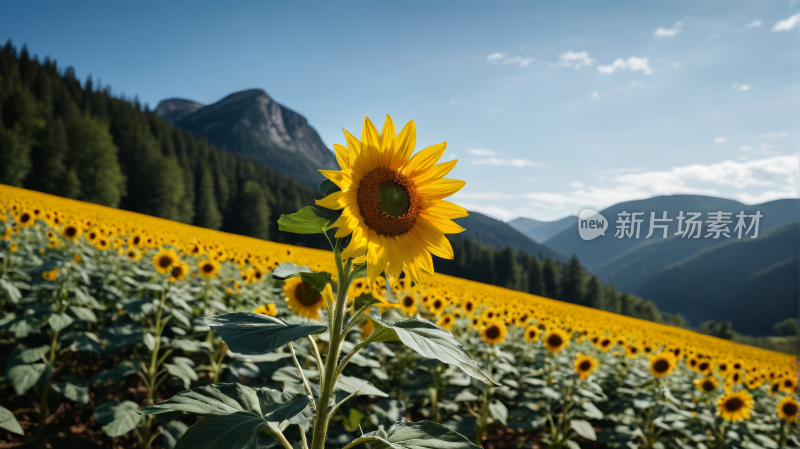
(182, 368)
(326, 187)
(123, 369)
(251, 333)
(430, 341)
(352, 384)
(583, 428)
(83, 314)
(23, 377)
(359, 271)
(33, 354)
(117, 419)
(317, 280)
(288, 270)
(9, 422)
(415, 435)
(171, 431)
(591, 411)
(11, 291)
(78, 393)
(499, 412)
(365, 300)
(238, 430)
(59, 321)
(305, 221)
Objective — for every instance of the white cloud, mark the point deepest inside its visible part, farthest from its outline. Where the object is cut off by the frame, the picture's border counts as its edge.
(745, 148)
(481, 152)
(676, 64)
(514, 162)
(774, 135)
(505, 59)
(633, 64)
(753, 24)
(787, 24)
(575, 59)
(720, 140)
(742, 87)
(595, 95)
(669, 32)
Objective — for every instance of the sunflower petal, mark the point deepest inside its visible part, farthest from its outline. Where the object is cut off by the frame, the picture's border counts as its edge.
(394, 258)
(331, 201)
(444, 209)
(387, 137)
(404, 145)
(441, 188)
(357, 241)
(376, 257)
(434, 239)
(425, 159)
(436, 172)
(342, 155)
(342, 179)
(445, 225)
(371, 144)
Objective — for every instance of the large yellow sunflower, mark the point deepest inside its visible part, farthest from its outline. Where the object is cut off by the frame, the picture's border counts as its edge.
(393, 202)
(302, 299)
(787, 409)
(735, 406)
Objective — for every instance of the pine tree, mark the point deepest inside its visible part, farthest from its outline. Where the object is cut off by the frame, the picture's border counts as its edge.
(613, 303)
(594, 293)
(550, 279)
(207, 214)
(572, 288)
(15, 157)
(93, 156)
(49, 173)
(533, 269)
(253, 211)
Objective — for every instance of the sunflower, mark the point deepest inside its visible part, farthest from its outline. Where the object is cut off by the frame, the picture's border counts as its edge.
(102, 243)
(164, 260)
(788, 384)
(662, 364)
(26, 219)
(468, 306)
(136, 240)
(437, 306)
(302, 299)
(787, 409)
(489, 314)
(531, 333)
(632, 351)
(446, 321)
(706, 384)
(494, 332)
(735, 406)
(555, 340)
(13, 247)
(6, 234)
(92, 235)
(775, 387)
(208, 268)
(71, 232)
(266, 309)
(408, 304)
(393, 203)
(604, 344)
(179, 271)
(134, 254)
(704, 367)
(584, 365)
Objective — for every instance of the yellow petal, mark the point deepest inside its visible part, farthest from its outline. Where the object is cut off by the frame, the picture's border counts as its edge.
(436, 172)
(342, 179)
(342, 155)
(404, 145)
(370, 140)
(441, 188)
(425, 159)
(433, 238)
(357, 241)
(394, 258)
(445, 225)
(387, 137)
(376, 257)
(444, 209)
(331, 201)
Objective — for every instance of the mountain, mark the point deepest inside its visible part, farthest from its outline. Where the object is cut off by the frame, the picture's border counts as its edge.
(497, 234)
(252, 124)
(600, 251)
(750, 282)
(541, 231)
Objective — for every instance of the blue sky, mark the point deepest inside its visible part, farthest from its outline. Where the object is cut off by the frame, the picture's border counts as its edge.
(549, 107)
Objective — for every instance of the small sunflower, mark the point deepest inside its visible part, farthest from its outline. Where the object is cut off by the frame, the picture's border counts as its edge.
(468, 306)
(446, 321)
(71, 232)
(706, 384)
(164, 259)
(26, 219)
(393, 203)
(632, 351)
(584, 365)
(494, 332)
(735, 406)
(555, 340)
(704, 367)
(437, 305)
(787, 409)
(208, 268)
(531, 333)
(788, 384)
(178, 271)
(662, 364)
(91, 235)
(101, 243)
(134, 254)
(266, 309)
(302, 299)
(408, 304)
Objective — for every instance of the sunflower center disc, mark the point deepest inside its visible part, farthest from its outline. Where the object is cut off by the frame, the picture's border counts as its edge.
(734, 404)
(493, 332)
(388, 201)
(306, 295)
(585, 365)
(661, 366)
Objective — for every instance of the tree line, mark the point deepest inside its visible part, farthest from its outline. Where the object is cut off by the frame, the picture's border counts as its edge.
(76, 140)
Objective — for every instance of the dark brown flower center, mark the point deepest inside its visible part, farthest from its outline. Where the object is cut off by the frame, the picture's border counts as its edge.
(492, 332)
(164, 261)
(408, 301)
(306, 295)
(70, 231)
(605, 343)
(585, 365)
(734, 404)
(24, 218)
(555, 340)
(703, 366)
(789, 409)
(207, 268)
(388, 201)
(661, 366)
(708, 386)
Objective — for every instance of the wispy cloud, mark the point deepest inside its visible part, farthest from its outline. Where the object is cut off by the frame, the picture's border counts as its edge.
(575, 59)
(753, 24)
(595, 95)
(742, 87)
(481, 152)
(669, 32)
(787, 24)
(633, 64)
(720, 140)
(774, 135)
(513, 162)
(505, 59)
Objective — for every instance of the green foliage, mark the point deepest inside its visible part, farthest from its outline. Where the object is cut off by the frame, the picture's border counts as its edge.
(251, 334)
(306, 221)
(414, 435)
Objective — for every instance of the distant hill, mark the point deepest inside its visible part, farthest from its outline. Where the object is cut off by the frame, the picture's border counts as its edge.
(752, 282)
(541, 231)
(497, 234)
(252, 124)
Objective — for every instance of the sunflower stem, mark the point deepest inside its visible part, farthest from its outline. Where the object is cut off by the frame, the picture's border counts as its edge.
(306, 385)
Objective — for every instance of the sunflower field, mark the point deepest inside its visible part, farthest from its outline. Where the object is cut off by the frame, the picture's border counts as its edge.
(124, 330)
